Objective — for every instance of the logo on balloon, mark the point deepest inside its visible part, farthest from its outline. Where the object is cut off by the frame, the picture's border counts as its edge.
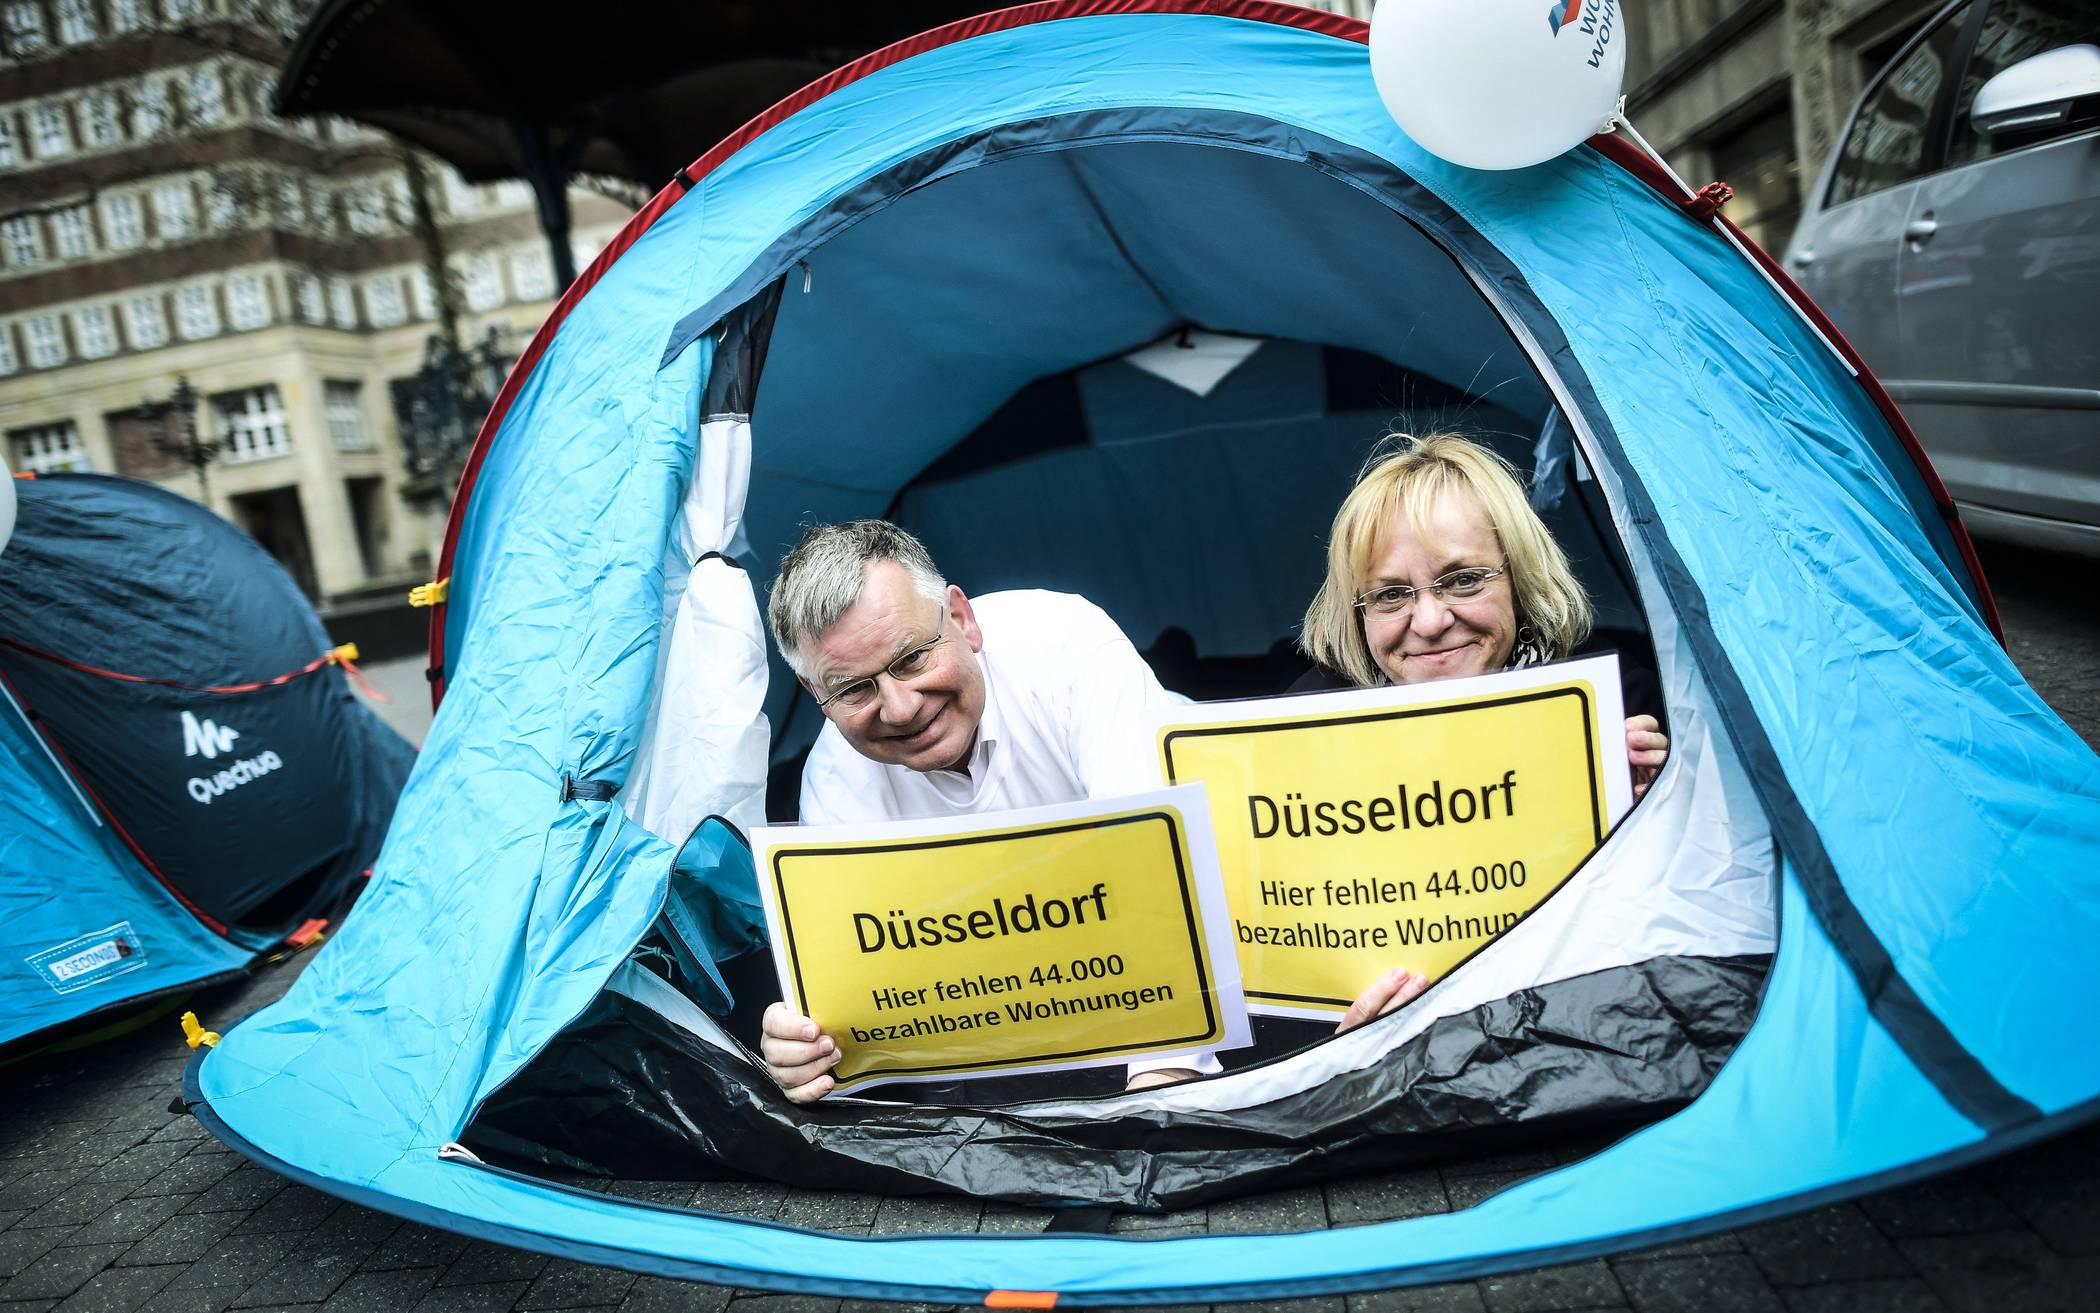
(1562, 15)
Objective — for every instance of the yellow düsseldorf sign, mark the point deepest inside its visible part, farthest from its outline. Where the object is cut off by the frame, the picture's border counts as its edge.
(1370, 829)
(1049, 938)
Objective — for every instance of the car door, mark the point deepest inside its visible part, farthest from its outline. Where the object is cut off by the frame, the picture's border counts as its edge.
(1999, 279)
(1847, 252)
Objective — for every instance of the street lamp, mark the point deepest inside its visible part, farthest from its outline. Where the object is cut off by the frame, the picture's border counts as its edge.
(187, 445)
(439, 408)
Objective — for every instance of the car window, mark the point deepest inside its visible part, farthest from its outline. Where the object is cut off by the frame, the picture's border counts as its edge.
(1888, 141)
(2014, 30)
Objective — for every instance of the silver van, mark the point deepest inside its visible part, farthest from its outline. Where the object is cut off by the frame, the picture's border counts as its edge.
(1954, 237)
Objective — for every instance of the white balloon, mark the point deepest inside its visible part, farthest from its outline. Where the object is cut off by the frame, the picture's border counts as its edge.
(1498, 84)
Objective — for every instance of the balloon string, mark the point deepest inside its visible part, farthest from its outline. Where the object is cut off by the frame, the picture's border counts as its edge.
(1618, 122)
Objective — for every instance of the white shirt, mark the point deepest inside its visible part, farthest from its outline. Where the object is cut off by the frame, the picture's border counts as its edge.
(1066, 699)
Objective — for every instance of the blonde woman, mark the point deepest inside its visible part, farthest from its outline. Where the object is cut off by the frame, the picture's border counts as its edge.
(1437, 567)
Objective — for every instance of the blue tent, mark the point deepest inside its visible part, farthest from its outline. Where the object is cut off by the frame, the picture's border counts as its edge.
(190, 779)
(1875, 854)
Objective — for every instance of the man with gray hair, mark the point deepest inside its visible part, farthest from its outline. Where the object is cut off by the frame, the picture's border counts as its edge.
(938, 705)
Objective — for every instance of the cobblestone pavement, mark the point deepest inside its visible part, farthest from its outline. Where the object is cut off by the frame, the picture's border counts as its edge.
(110, 1203)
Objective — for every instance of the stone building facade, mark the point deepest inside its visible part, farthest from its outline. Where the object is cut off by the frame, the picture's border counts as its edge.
(157, 223)
(1753, 93)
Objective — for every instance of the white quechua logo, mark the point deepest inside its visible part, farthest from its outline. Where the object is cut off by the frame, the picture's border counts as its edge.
(206, 738)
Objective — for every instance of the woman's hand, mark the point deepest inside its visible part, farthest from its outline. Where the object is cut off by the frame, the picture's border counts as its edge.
(798, 1055)
(1396, 988)
(1647, 748)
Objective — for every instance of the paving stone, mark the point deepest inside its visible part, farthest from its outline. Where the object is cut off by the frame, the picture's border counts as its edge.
(320, 1261)
(1907, 1295)
(33, 1190)
(119, 1290)
(482, 1263)
(381, 1292)
(741, 1198)
(663, 1295)
(576, 1285)
(211, 1299)
(130, 1219)
(192, 1175)
(238, 1261)
(1311, 1304)
(1465, 1191)
(784, 1304)
(27, 1305)
(1526, 1162)
(295, 1208)
(672, 1193)
(1548, 1290)
(244, 1189)
(2003, 1270)
(416, 1246)
(9, 1217)
(1283, 1211)
(83, 1202)
(1715, 1283)
(20, 1248)
(2065, 1212)
(1728, 1242)
(485, 1297)
(1182, 1222)
(1462, 1298)
(60, 1272)
(1382, 1198)
(881, 1306)
(1947, 1206)
(934, 1215)
(1012, 1219)
(829, 1210)
(1830, 1244)
(183, 1238)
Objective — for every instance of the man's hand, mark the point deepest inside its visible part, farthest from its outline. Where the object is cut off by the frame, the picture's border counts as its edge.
(1647, 748)
(798, 1055)
(1146, 1080)
(1394, 989)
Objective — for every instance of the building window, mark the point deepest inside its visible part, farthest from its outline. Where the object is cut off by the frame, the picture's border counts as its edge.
(123, 222)
(196, 312)
(532, 273)
(23, 240)
(150, 112)
(99, 124)
(342, 303)
(95, 331)
(247, 303)
(313, 302)
(73, 233)
(251, 424)
(511, 193)
(362, 211)
(222, 204)
(8, 363)
(127, 15)
(206, 96)
(51, 129)
(24, 24)
(461, 196)
(145, 323)
(10, 149)
(174, 209)
(484, 282)
(76, 22)
(383, 302)
(181, 11)
(47, 341)
(47, 449)
(346, 415)
(291, 202)
(422, 293)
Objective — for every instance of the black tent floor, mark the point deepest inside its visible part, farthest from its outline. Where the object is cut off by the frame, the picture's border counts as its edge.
(111, 1203)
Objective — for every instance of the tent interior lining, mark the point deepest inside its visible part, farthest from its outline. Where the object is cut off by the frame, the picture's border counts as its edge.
(960, 359)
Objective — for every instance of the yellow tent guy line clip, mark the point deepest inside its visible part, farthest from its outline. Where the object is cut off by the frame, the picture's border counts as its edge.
(430, 594)
(196, 1034)
(344, 654)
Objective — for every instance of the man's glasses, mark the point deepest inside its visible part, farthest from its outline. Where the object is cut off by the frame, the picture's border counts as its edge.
(1389, 600)
(906, 668)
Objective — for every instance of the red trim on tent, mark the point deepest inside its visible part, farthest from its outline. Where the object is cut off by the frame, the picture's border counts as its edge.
(1262, 11)
(1638, 162)
(210, 922)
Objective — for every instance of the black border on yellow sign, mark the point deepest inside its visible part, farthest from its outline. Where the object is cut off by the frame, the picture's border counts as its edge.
(1581, 695)
(1213, 1028)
